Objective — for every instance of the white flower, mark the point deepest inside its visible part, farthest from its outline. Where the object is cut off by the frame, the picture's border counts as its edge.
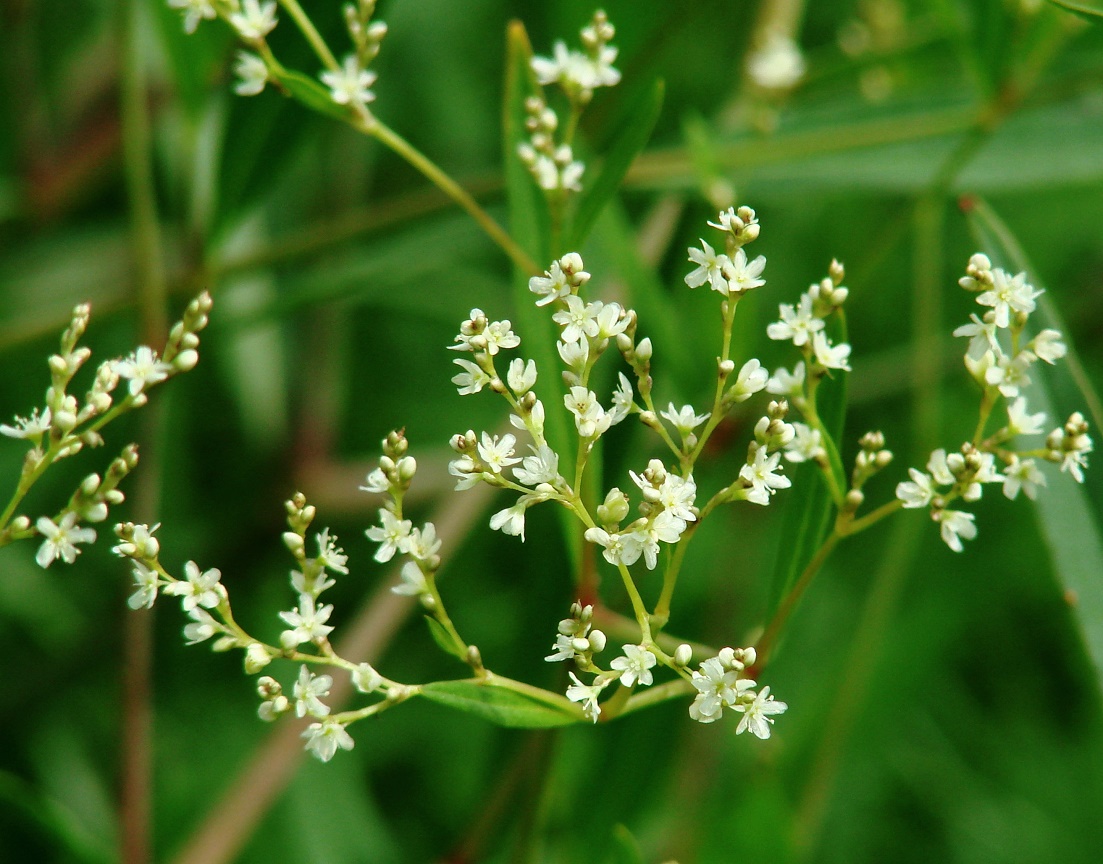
(710, 268)
(611, 321)
(665, 528)
(330, 554)
(617, 548)
(589, 417)
(511, 521)
(796, 324)
(1008, 294)
(758, 715)
(828, 355)
(472, 379)
(325, 738)
(548, 70)
(982, 335)
(413, 581)
(498, 335)
(1048, 346)
(366, 679)
(1023, 475)
(807, 443)
(308, 690)
(350, 85)
(307, 622)
(676, 496)
(623, 397)
(61, 539)
(146, 583)
(394, 535)
(578, 319)
(1019, 422)
(634, 666)
(31, 428)
(717, 687)
(1009, 374)
(574, 354)
(202, 626)
(551, 286)
(376, 482)
(521, 376)
(776, 65)
(939, 467)
(254, 21)
(252, 73)
(200, 588)
(761, 476)
(424, 543)
(541, 467)
(142, 369)
(194, 12)
(955, 525)
(587, 695)
(498, 453)
(142, 543)
(685, 420)
(784, 383)
(918, 492)
(743, 275)
(752, 378)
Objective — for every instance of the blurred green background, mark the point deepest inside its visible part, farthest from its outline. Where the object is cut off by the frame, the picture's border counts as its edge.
(942, 706)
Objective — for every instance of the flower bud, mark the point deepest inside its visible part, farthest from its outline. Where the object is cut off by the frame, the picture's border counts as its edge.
(597, 641)
(256, 658)
(683, 654)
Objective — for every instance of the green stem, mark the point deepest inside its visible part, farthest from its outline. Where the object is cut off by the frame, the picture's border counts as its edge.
(637, 603)
(310, 33)
(855, 525)
(670, 578)
(389, 138)
(654, 695)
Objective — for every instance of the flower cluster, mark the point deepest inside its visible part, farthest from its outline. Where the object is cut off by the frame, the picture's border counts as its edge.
(999, 357)
(578, 73)
(66, 424)
(351, 83)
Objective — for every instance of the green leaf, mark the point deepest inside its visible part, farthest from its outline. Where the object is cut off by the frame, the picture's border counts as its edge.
(1089, 13)
(312, 94)
(444, 641)
(620, 156)
(503, 705)
(626, 849)
(1068, 521)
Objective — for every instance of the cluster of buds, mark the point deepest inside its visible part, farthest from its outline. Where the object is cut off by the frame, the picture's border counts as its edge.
(579, 73)
(577, 639)
(396, 469)
(1070, 445)
(872, 457)
(366, 35)
(551, 163)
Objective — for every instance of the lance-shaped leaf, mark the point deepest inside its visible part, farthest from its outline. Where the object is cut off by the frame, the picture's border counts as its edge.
(503, 705)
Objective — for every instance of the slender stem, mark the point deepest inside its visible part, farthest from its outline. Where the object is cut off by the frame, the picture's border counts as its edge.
(856, 525)
(306, 27)
(655, 695)
(788, 604)
(670, 577)
(637, 603)
(388, 137)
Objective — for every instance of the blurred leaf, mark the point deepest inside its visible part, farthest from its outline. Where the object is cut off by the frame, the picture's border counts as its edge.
(501, 705)
(619, 157)
(1089, 12)
(26, 812)
(312, 94)
(626, 850)
(1069, 522)
(443, 640)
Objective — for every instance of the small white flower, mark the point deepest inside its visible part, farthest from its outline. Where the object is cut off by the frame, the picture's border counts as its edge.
(623, 398)
(589, 417)
(710, 268)
(1019, 422)
(194, 12)
(828, 355)
(497, 452)
(578, 319)
(1024, 475)
(472, 379)
(60, 539)
(717, 687)
(743, 275)
(611, 321)
(1008, 374)
(424, 543)
(685, 419)
(413, 581)
(254, 21)
(498, 336)
(550, 287)
(918, 492)
(676, 496)
(762, 477)
(617, 548)
(326, 738)
(309, 688)
(1009, 294)
(574, 354)
(330, 554)
(587, 695)
(939, 468)
(366, 679)
(956, 524)
(350, 85)
(635, 666)
(393, 535)
(541, 467)
(784, 383)
(752, 378)
(200, 588)
(31, 428)
(521, 376)
(376, 482)
(982, 335)
(758, 715)
(146, 583)
(796, 324)
(202, 626)
(511, 521)
(807, 444)
(307, 623)
(142, 369)
(252, 74)
(141, 545)
(777, 64)
(1048, 346)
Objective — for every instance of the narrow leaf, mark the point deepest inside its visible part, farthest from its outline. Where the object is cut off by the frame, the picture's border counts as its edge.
(628, 144)
(1088, 12)
(502, 705)
(444, 641)
(312, 94)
